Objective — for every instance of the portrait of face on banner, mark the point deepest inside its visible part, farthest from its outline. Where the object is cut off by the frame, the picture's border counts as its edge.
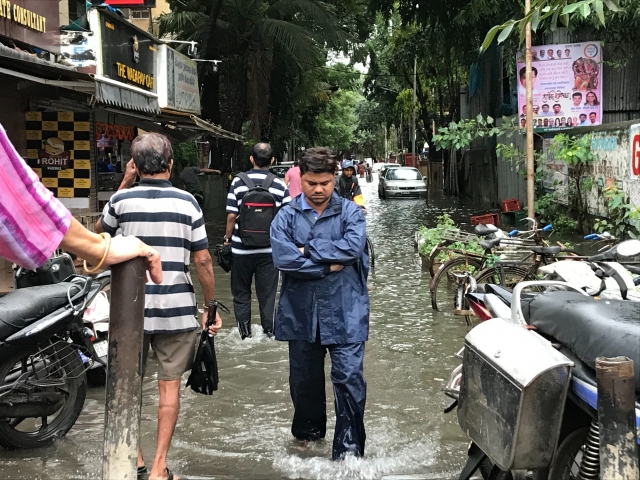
(567, 86)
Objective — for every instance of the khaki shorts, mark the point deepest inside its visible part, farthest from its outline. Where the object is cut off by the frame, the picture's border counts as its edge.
(175, 352)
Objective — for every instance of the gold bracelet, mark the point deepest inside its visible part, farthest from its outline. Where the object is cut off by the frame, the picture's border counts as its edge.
(107, 238)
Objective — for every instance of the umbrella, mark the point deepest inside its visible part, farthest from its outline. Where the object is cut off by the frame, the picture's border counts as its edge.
(204, 372)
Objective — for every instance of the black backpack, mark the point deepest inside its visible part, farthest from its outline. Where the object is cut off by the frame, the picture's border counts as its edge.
(257, 211)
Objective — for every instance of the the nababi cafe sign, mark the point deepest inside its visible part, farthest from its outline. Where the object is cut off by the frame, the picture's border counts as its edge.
(128, 53)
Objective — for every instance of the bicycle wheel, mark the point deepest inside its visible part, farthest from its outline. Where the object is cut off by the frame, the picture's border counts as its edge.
(442, 287)
(507, 276)
(372, 254)
(432, 257)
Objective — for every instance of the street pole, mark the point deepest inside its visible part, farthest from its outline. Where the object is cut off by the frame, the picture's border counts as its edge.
(124, 372)
(413, 128)
(617, 419)
(529, 84)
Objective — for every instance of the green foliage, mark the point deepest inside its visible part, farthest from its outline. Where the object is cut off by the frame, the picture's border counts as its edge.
(185, 154)
(551, 212)
(623, 215)
(428, 238)
(337, 123)
(550, 11)
(572, 150)
(460, 134)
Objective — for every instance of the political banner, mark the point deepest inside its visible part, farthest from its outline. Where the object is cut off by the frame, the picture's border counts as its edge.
(567, 86)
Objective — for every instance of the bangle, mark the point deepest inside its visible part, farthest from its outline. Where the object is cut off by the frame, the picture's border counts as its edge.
(107, 238)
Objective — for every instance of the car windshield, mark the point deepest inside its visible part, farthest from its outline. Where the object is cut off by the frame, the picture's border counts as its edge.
(402, 174)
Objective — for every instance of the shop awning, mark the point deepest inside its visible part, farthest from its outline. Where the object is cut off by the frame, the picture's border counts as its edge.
(124, 96)
(216, 130)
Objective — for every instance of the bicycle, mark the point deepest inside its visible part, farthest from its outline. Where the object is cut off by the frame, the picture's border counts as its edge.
(475, 263)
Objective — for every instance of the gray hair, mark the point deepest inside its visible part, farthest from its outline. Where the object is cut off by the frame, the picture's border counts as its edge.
(152, 153)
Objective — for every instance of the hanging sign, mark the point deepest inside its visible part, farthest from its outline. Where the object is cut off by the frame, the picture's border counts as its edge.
(567, 86)
(177, 81)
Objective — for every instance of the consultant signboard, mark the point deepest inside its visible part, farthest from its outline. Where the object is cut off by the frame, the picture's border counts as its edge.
(567, 86)
(35, 22)
(177, 81)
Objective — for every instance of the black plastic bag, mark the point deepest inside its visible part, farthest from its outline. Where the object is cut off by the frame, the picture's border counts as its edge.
(204, 372)
(224, 257)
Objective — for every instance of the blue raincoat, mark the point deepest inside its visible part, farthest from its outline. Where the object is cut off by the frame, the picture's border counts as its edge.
(311, 296)
(320, 311)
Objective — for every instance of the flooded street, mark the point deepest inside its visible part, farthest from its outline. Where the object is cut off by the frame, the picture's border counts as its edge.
(243, 430)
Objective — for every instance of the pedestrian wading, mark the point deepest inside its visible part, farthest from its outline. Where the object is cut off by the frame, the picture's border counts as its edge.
(254, 199)
(318, 243)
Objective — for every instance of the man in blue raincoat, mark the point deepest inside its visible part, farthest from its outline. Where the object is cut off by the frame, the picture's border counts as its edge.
(318, 243)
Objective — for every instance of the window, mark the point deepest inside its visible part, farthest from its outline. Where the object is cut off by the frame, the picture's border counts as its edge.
(403, 174)
(141, 14)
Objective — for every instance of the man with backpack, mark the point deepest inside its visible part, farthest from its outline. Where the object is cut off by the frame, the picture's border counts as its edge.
(253, 202)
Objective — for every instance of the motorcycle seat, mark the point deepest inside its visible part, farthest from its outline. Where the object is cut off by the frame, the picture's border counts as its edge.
(23, 307)
(482, 229)
(587, 327)
(489, 244)
(546, 250)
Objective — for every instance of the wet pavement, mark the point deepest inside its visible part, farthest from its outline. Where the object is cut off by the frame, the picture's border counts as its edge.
(243, 430)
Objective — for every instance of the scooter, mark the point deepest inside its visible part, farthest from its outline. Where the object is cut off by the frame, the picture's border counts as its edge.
(96, 317)
(608, 328)
(43, 347)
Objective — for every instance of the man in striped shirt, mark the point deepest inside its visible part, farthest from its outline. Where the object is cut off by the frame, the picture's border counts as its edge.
(249, 262)
(171, 221)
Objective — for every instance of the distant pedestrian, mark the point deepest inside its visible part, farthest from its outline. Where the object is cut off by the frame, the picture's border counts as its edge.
(253, 201)
(319, 246)
(292, 180)
(189, 176)
(171, 221)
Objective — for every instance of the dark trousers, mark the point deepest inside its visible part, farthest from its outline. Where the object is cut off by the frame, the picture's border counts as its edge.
(243, 269)
(306, 381)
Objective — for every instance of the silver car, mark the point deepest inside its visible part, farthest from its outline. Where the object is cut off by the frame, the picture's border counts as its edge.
(402, 182)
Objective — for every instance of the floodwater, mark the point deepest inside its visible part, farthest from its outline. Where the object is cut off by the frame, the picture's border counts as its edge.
(242, 431)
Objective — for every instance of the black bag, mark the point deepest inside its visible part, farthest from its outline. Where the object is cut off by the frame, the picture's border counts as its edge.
(204, 372)
(55, 270)
(257, 211)
(224, 257)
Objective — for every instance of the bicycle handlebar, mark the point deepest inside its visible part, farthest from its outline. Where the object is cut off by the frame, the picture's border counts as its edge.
(598, 236)
(516, 232)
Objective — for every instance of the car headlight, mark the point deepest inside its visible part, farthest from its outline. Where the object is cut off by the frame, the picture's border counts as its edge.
(390, 187)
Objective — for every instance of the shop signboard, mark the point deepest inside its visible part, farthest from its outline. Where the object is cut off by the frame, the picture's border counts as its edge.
(634, 141)
(128, 54)
(59, 151)
(177, 81)
(34, 22)
(567, 86)
(126, 3)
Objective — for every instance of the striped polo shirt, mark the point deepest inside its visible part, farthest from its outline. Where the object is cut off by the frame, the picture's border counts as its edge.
(32, 221)
(237, 190)
(169, 220)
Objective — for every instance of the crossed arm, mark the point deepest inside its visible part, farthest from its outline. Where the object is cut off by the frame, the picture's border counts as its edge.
(319, 257)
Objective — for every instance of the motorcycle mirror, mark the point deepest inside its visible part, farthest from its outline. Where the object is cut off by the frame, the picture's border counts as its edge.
(629, 248)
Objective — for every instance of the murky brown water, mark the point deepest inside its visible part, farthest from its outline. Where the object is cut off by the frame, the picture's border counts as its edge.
(242, 431)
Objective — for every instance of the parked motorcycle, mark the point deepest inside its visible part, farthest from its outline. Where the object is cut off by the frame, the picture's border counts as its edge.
(43, 341)
(515, 385)
(96, 317)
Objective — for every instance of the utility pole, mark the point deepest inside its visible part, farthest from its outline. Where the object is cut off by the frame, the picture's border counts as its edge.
(413, 128)
(529, 84)
(401, 133)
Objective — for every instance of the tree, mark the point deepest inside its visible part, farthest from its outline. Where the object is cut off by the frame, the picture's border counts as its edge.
(550, 11)
(336, 124)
